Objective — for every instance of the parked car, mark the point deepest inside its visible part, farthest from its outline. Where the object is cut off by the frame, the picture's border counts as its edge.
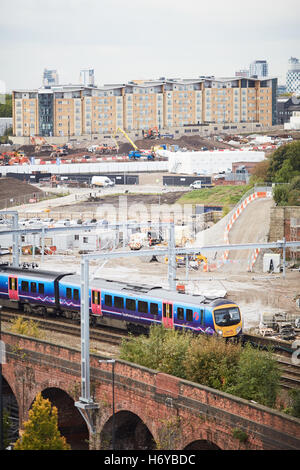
(48, 221)
(196, 184)
(62, 223)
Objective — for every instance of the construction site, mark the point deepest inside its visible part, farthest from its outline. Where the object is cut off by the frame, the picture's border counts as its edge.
(237, 275)
(134, 214)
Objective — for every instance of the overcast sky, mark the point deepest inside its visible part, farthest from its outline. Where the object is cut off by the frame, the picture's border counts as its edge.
(136, 39)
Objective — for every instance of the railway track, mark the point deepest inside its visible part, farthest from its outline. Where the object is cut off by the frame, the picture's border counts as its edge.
(290, 372)
(63, 326)
(290, 377)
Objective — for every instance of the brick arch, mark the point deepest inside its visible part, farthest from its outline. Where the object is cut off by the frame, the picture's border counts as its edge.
(133, 429)
(12, 385)
(201, 444)
(203, 435)
(11, 406)
(70, 422)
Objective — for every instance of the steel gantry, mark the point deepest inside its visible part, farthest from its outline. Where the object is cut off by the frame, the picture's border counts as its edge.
(86, 403)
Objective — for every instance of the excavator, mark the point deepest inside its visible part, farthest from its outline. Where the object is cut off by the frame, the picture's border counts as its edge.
(136, 153)
(14, 158)
(197, 258)
(152, 133)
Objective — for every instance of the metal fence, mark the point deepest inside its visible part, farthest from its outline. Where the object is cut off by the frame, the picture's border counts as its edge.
(24, 199)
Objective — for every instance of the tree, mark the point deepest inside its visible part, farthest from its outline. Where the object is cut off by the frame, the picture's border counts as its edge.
(41, 430)
(285, 163)
(162, 350)
(6, 107)
(212, 362)
(281, 194)
(257, 376)
(260, 172)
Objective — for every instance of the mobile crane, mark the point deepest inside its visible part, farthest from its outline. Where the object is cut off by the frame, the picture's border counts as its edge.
(136, 153)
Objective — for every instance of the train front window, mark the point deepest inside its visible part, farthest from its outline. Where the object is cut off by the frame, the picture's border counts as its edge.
(227, 316)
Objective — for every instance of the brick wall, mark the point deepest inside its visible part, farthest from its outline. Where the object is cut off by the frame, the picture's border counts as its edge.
(204, 413)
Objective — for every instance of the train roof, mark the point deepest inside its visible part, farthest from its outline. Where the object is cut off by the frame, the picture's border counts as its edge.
(32, 273)
(144, 289)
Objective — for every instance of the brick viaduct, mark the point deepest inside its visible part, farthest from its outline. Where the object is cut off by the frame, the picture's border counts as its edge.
(149, 406)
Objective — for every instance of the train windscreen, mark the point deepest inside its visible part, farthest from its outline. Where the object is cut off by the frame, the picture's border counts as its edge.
(227, 316)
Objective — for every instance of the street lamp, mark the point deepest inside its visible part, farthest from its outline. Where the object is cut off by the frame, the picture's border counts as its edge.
(112, 361)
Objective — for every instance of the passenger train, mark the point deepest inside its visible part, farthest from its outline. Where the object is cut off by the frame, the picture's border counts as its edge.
(127, 306)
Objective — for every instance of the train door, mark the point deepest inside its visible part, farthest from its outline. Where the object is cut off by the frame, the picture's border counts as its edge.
(96, 302)
(168, 315)
(13, 292)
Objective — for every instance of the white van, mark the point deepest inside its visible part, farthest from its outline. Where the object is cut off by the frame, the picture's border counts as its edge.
(101, 181)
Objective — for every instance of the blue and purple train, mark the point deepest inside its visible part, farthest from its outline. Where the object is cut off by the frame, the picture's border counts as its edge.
(122, 305)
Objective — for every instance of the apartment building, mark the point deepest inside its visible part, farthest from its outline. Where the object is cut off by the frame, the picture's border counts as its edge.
(259, 68)
(74, 110)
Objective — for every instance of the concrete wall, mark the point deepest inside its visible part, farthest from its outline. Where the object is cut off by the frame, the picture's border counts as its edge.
(177, 132)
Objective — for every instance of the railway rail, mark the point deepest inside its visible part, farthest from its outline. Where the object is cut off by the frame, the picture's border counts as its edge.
(290, 372)
(290, 377)
(65, 327)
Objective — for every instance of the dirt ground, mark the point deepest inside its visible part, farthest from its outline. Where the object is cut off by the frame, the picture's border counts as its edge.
(255, 292)
(147, 199)
(12, 187)
(188, 142)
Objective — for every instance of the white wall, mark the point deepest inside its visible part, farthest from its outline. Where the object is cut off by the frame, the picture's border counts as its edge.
(209, 162)
(112, 167)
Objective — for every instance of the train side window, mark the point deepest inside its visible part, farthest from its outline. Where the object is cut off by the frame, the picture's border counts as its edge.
(76, 294)
(180, 313)
(119, 302)
(33, 287)
(153, 309)
(69, 293)
(142, 306)
(130, 304)
(202, 317)
(189, 314)
(108, 300)
(25, 286)
(41, 288)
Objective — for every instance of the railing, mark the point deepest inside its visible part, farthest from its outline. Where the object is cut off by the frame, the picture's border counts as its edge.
(24, 199)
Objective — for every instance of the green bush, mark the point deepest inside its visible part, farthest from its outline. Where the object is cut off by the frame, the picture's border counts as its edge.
(212, 362)
(257, 376)
(242, 371)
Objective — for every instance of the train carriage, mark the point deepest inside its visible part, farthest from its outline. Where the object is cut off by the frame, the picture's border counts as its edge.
(118, 304)
(135, 307)
(32, 290)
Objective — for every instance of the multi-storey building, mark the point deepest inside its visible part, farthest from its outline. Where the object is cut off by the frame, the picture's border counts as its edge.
(79, 110)
(293, 76)
(259, 68)
(50, 77)
(286, 107)
(87, 77)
